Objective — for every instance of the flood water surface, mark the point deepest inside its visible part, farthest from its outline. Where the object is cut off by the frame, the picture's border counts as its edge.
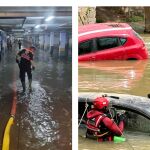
(123, 77)
(43, 117)
(131, 77)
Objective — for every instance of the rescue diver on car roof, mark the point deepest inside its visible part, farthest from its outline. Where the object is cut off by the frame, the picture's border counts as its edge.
(100, 123)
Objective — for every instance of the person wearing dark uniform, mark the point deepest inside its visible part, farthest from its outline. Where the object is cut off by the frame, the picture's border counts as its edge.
(100, 123)
(24, 59)
(19, 43)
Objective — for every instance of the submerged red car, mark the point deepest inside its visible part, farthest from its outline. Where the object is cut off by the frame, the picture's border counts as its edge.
(110, 41)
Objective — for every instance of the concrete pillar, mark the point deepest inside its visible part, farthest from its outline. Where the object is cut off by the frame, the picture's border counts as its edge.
(30, 41)
(41, 41)
(46, 45)
(3, 43)
(56, 44)
(51, 43)
(34, 40)
(70, 47)
(62, 44)
(0, 47)
(37, 41)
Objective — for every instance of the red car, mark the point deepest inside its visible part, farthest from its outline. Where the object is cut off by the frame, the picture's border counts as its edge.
(110, 41)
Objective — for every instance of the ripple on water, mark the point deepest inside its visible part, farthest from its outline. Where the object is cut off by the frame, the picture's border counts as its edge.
(126, 77)
(115, 76)
(36, 117)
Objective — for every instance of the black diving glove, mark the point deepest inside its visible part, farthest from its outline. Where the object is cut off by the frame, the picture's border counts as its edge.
(122, 117)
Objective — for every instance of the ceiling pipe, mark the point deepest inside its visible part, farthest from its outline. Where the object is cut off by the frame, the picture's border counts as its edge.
(23, 22)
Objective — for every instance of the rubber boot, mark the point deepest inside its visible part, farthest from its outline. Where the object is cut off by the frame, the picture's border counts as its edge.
(23, 86)
(30, 85)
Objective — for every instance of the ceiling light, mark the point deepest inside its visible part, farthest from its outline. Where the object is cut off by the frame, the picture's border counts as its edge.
(62, 25)
(37, 26)
(49, 18)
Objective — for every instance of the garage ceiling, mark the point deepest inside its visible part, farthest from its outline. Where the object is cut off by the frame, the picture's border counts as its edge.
(33, 19)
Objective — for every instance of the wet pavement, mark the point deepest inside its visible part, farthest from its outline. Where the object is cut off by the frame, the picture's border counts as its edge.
(43, 117)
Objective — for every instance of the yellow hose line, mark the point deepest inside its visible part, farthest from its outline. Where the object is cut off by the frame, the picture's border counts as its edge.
(6, 139)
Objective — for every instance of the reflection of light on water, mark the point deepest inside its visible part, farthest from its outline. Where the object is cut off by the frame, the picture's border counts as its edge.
(115, 84)
(132, 74)
(135, 141)
(41, 124)
(36, 109)
(117, 76)
(125, 84)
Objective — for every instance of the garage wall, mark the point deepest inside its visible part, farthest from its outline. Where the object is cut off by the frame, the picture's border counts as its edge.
(57, 43)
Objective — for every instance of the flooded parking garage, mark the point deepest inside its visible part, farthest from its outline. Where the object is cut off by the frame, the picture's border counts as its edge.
(42, 115)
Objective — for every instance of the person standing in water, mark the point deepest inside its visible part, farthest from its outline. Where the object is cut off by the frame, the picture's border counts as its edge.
(19, 44)
(24, 58)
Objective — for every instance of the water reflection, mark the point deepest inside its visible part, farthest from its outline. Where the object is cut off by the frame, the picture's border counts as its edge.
(43, 117)
(112, 76)
(37, 121)
(135, 141)
(128, 77)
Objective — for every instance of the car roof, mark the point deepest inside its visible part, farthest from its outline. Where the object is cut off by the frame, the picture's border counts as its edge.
(104, 29)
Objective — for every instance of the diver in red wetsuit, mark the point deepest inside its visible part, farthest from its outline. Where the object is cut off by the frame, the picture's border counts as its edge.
(100, 123)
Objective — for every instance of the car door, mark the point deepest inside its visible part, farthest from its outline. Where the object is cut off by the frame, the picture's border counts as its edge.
(109, 48)
(86, 50)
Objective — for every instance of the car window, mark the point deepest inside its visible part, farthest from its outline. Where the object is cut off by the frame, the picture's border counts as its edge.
(123, 41)
(107, 42)
(85, 47)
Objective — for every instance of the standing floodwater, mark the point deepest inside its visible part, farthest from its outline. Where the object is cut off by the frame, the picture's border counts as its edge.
(131, 77)
(127, 77)
(43, 117)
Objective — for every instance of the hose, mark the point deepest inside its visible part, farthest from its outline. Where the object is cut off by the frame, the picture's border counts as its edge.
(83, 114)
(6, 138)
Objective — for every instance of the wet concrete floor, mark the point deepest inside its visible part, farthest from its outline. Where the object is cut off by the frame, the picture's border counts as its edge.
(43, 117)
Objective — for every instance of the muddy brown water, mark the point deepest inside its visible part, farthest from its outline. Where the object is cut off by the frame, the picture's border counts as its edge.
(124, 77)
(43, 118)
(132, 77)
